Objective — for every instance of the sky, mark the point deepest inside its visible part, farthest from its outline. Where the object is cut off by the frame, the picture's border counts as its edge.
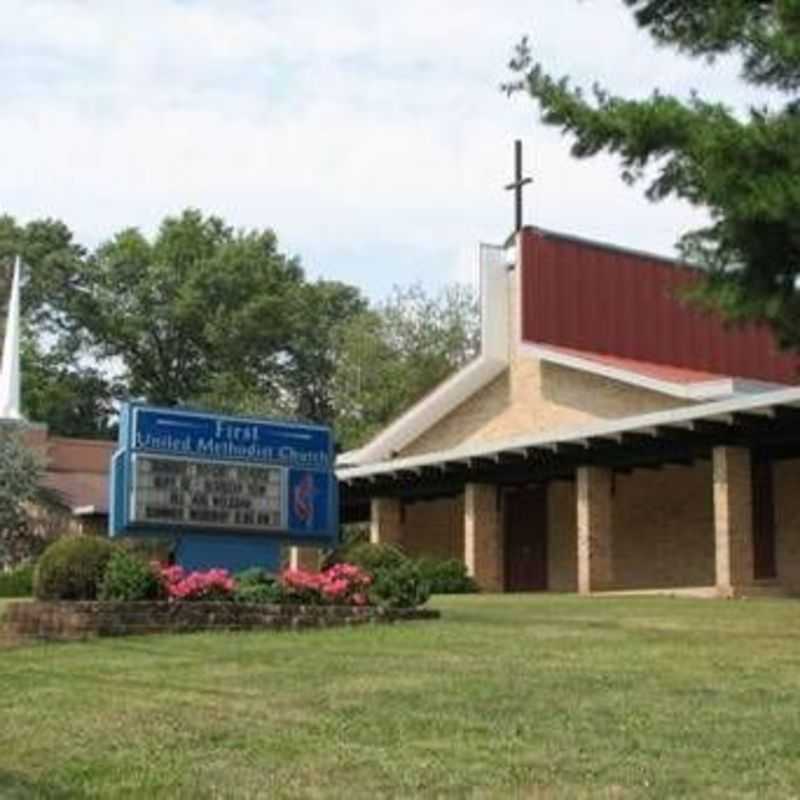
(371, 136)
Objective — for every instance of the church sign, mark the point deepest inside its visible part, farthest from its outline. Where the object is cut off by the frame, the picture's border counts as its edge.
(207, 494)
(211, 476)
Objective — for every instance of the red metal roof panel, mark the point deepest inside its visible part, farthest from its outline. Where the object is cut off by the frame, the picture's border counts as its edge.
(597, 298)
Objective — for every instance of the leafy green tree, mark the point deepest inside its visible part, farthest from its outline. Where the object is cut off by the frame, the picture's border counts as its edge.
(304, 384)
(73, 400)
(198, 301)
(393, 354)
(325, 308)
(229, 392)
(53, 274)
(743, 168)
(202, 315)
(208, 316)
(21, 493)
(368, 380)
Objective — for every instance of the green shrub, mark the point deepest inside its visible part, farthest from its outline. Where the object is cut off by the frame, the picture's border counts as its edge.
(128, 577)
(72, 568)
(257, 586)
(399, 586)
(446, 576)
(18, 582)
(371, 557)
(150, 548)
(269, 593)
(253, 576)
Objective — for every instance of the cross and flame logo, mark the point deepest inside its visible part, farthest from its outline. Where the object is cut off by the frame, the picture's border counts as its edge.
(303, 499)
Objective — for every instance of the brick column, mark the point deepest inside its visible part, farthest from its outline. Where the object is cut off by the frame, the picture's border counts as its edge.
(733, 519)
(595, 504)
(484, 545)
(386, 521)
(305, 558)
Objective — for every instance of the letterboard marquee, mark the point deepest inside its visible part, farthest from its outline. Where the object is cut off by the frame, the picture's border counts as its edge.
(172, 491)
(178, 471)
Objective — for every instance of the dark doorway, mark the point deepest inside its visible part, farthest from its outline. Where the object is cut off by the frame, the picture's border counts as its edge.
(526, 540)
(763, 520)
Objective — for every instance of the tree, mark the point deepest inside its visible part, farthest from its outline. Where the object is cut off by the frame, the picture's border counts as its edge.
(393, 354)
(53, 273)
(22, 492)
(202, 315)
(205, 315)
(302, 385)
(324, 310)
(744, 169)
(73, 400)
(199, 301)
(367, 384)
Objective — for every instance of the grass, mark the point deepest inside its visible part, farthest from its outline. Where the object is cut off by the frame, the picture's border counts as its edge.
(507, 696)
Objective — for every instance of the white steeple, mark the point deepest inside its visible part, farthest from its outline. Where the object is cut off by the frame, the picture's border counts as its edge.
(9, 369)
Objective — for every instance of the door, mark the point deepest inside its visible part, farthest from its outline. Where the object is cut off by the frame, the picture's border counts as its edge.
(526, 540)
(764, 565)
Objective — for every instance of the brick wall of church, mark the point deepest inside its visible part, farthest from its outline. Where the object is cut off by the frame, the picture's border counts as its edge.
(435, 527)
(786, 488)
(663, 530)
(663, 522)
(562, 542)
(533, 397)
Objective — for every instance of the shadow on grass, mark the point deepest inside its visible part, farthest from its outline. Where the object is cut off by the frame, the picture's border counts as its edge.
(19, 787)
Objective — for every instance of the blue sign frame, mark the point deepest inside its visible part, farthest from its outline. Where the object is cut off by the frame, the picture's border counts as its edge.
(302, 453)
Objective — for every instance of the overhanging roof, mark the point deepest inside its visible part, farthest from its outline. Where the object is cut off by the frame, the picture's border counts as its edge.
(678, 435)
(464, 383)
(80, 490)
(686, 384)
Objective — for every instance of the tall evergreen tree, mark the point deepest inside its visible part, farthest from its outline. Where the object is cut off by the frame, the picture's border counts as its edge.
(743, 168)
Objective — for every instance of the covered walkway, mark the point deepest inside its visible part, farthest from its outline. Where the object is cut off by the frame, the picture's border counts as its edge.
(739, 452)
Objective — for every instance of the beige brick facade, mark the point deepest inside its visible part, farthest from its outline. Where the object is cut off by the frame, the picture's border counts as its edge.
(306, 558)
(435, 528)
(595, 521)
(733, 519)
(664, 527)
(786, 483)
(661, 538)
(532, 396)
(562, 540)
(483, 536)
(386, 521)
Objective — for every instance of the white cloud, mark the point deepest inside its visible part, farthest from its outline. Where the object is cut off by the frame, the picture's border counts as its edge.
(371, 136)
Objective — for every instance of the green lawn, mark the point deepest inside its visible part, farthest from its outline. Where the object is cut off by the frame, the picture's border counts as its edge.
(540, 696)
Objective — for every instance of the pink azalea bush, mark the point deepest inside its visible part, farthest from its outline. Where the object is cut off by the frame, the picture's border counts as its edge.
(341, 584)
(214, 584)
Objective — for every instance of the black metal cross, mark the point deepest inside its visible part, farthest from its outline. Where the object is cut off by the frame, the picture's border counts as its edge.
(518, 185)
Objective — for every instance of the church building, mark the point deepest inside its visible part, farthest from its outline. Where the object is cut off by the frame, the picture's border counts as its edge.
(609, 436)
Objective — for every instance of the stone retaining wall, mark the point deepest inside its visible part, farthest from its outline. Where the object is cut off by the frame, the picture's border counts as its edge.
(79, 620)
